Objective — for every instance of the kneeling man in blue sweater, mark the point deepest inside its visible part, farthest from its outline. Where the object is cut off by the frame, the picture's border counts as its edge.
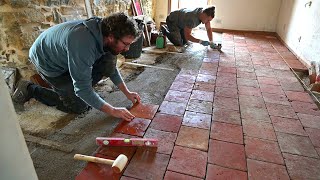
(74, 56)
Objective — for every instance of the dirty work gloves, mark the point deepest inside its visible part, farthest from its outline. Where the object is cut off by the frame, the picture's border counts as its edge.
(204, 43)
(213, 45)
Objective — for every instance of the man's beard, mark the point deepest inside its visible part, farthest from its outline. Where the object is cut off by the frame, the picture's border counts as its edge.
(111, 50)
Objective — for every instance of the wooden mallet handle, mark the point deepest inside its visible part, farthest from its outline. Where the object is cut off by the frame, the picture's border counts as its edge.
(117, 164)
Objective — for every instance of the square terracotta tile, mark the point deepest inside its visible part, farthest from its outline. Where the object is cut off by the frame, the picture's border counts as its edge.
(246, 75)
(258, 129)
(291, 86)
(211, 72)
(193, 138)
(147, 165)
(267, 80)
(127, 178)
(257, 114)
(251, 101)
(290, 126)
(165, 140)
(265, 73)
(178, 176)
(186, 78)
(227, 70)
(249, 91)
(266, 88)
(115, 151)
(263, 150)
(294, 144)
(281, 111)
(227, 155)
(198, 120)
(145, 111)
(221, 173)
(305, 108)
(177, 96)
(247, 82)
(98, 171)
(300, 167)
(209, 66)
(299, 96)
(226, 103)
(136, 127)
(276, 99)
(227, 132)
(226, 116)
(183, 160)
(203, 86)
(166, 122)
(228, 82)
(226, 92)
(309, 120)
(226, 75)
(202, 95)
(264, 170)
(206, 78)
(181, 86)
(173, 108)
(200, 106)
(314, 135)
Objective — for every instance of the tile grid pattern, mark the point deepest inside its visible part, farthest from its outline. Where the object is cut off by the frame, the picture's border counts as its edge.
(242, 115)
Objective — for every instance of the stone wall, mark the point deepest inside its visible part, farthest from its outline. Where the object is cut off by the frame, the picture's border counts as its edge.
(21, 22)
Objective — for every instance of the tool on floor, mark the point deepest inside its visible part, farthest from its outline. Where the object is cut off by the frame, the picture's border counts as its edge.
(111, 141)
(216, 46)
(117, 165)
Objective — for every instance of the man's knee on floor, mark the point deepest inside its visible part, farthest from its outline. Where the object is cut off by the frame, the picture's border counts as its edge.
(73, 105)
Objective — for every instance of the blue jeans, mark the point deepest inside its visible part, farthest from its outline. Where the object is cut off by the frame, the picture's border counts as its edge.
(62, 94)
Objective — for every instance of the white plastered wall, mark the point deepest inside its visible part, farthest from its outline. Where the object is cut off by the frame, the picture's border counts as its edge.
(299, 27)
(15, 161)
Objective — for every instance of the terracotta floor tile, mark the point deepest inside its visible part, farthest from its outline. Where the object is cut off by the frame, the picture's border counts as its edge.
(209, 66)
(173, 108)
(177, 96)
(198, 120)
(115, 151)
(249, 91)
(290, 126)
(127, 178)
(263, 150)
(145, 111)
(227, 64)
(180, 86)
(211, 72)
(265, 73)
(251, 101)
(247, 82)
(264, 170)
(226, 103)
(183, 160)
(186, 78)
(258, 129)
(136, 127)
(227, 155)
(221, 173)
(226, 75)
(177, 176)
(276, 99)
(257, 114)
(246, 75)
(203, 86)
(299, 96)
(266, 88)
(226, 92)
(294, 144)
(206, 78)
(227, 70)
(98, 171)
(226, 115)
(300, 167)
(147, 165)
(165, 140)
(305, 108)
(226, 132)
(314, 135)
(166, 122)
(202, 95)
(193, 138)
(281, 111)
(292, 86)
(226, 82)
(270, 81)
(200, 106)
(309, 120)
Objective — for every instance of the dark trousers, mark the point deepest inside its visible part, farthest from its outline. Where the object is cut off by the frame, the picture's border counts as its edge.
(62, 94)
(175, 34)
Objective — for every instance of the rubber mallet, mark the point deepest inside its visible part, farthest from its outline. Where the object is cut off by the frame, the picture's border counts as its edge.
(117, 165)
